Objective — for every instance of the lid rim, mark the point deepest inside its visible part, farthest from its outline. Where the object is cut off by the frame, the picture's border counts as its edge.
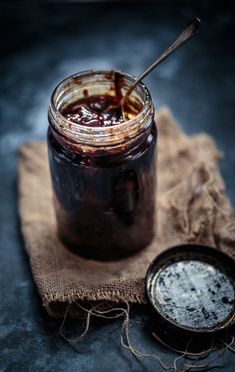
(200, 249)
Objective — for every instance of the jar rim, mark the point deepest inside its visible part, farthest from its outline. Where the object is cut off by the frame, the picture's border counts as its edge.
(100, 132)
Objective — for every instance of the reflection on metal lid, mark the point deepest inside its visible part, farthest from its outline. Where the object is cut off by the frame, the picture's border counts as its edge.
(192, 289)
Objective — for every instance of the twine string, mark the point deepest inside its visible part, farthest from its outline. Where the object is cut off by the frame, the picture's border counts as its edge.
(95, 311)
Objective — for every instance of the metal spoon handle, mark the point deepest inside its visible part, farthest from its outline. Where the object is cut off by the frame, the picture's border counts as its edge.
(186, 34)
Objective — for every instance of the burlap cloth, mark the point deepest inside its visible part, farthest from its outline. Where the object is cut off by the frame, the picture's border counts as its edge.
(191, 207)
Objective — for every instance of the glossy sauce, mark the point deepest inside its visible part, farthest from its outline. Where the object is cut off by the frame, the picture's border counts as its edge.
(98, 111)
(104, 204)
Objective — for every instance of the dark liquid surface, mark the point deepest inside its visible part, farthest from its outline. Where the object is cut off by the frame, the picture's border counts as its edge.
(95, 111)
(102, 110)
(104, 204)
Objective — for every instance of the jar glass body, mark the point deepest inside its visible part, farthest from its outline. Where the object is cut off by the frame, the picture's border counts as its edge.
(103, 179)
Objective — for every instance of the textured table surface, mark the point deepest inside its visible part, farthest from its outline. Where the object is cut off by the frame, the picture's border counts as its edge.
(40, 45)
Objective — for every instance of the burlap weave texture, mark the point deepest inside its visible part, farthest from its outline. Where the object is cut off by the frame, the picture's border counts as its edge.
(191, 207)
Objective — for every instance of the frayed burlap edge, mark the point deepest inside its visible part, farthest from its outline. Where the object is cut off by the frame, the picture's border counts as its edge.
(192, 207)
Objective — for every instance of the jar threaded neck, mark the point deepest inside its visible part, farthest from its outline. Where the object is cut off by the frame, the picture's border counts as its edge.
(98, 82)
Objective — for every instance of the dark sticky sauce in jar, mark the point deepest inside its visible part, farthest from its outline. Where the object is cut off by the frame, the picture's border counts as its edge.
(104, 203)
(94, 111)
(101, 110)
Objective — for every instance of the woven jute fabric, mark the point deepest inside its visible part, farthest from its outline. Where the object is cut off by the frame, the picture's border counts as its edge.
(191, 207)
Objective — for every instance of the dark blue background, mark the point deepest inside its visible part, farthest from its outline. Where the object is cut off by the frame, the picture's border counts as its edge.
(40, 45)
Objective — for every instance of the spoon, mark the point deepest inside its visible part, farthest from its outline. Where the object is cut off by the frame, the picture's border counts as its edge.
(186, 34)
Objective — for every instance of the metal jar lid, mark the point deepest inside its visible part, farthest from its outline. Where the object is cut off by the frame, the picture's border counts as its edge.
(192, 289)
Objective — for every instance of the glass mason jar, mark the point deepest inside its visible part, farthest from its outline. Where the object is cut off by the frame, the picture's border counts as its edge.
(103, 177)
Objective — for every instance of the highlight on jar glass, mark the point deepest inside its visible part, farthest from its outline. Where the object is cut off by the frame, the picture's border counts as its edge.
(103, 164)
